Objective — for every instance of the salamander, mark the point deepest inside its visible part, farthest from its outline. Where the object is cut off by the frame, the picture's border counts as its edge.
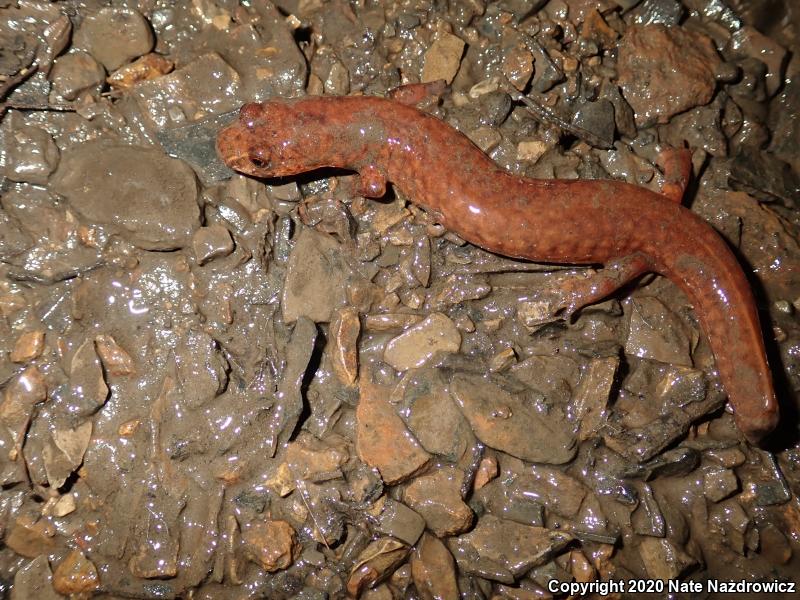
(628, 229)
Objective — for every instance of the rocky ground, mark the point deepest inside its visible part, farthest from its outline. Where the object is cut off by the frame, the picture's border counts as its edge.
(224, 389)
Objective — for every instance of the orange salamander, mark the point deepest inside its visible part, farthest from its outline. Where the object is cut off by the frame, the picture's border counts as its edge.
(628, 229)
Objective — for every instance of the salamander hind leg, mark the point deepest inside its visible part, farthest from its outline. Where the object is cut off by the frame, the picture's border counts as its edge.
(576, 293)
(372, 182)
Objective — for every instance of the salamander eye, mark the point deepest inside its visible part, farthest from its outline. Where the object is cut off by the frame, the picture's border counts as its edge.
(259, 159)
(250, 113)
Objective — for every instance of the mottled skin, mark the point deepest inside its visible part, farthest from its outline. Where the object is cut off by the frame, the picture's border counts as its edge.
(629, 229)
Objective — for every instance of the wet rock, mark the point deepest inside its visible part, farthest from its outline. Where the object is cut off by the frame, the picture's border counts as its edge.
(150, 66)
(505, 547)
(623, 113)
(655, 332)
(315, 279)
(487, 470)
(553, 376)
(592, 396)
(87, 386)
(443, 58)
(344, 332)
(64, 506)
(201, 369)
(382, 440)
(420, 343)
(597, 118)
(311, 459)
(507, 422)
(207, 86)
(28, 346)
(114, 36)
(747, 41)
(530, 150)
(535, 314)
(647, 518)
(517, 59)
(34, 580)
(640, 444)
(76, 574)
(433, 418)
(774, 546)
(665, 71)
(434, 570)
(437, 497)
(719, 484)
(375, 563)
(397, 520)
(32, 156)
(19, 397)
(74, 74)
(149, 198)
(65, 454)
(673, 463)
(270, 544)
(784, 124)
(211, 242)
(556, 491)
(657, 12)
(502, 360)
(762, 176)
(729, 520)
(547, 73)
(116, 361)
(289, 400)
(727, 457)
(664, 560)
(262, 48)
(597, 30)
(30, 537)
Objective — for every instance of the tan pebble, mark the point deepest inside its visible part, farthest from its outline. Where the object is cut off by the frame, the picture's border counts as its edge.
(484, 87)
(28, 346)
(11, 303)
(64, 505)
(491, 325)
(76, 574)
(128, 428)
(345, 329)
(382, 438)
(502, 360)
(443, 59)
(570, 64)
(433, 570)
(115, 360)
(270, 544)
(389, 321)
(413, 348)
(29, 537)
(580, 567)
(282, 480)
(147, 67)
(518, 66)
(487, 470)
(531, 150)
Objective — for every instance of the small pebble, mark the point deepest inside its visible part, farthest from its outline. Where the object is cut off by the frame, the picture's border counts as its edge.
(28, 346)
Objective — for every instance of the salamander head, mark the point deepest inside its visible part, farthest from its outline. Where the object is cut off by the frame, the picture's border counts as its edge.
(264, 141)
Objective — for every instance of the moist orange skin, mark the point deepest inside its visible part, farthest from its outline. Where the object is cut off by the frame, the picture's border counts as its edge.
(559, 221)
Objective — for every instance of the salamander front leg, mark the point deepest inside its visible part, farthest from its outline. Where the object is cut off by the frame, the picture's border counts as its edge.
(372, 182)
(676, 163)
(576, 293)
